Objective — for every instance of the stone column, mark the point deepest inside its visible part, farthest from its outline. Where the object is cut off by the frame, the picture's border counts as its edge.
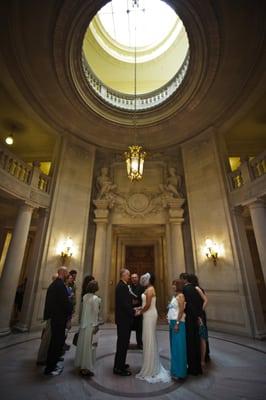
(12, 267)
(255, 310)
(99, 269)
(177, 245)
(33, 273)
(258, 217)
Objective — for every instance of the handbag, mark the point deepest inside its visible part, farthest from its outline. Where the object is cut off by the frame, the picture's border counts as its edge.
(75, 339)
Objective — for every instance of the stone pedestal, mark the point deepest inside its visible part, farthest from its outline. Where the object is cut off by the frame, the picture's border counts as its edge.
(12, 267)
(258, 217)
(100, 268)
(33, 273)
(176, 212)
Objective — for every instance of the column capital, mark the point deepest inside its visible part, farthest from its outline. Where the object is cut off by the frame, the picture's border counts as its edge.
(27, 206)
(102, 211)
(176, 215)
(101, 216)
(101, 204)
(176, 211)
(258, 203)
(175, 203)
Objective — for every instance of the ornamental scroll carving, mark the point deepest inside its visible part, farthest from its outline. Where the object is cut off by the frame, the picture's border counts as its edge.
(140, 204)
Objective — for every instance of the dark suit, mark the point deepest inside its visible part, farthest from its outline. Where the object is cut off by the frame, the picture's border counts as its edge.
(123, 318)
(193, 311)
(57, 308)
(137, 322)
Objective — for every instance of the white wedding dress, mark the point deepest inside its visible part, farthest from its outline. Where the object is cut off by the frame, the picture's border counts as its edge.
(152, 370)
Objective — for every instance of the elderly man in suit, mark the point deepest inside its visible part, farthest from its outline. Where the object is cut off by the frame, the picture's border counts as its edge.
(57, 309)
(124, 315)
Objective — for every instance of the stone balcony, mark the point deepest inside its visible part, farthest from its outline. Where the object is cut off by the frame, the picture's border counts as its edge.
(248, 182)
(22, 180)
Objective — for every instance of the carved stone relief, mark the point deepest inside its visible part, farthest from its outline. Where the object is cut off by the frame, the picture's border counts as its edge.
(139, 203)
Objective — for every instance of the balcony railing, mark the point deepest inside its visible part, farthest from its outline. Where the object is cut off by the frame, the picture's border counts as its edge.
(126, 101)
(248, 181)
(25, 180)
(248, 172)
(258, 165)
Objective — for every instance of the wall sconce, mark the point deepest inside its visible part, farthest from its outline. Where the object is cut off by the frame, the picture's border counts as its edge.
(9, 140)
(211, 250)
(65, 249)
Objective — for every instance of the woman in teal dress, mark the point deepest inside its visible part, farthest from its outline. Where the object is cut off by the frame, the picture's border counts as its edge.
(177, 331)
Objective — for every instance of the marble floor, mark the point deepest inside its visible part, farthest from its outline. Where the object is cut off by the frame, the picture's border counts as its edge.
(237, 372)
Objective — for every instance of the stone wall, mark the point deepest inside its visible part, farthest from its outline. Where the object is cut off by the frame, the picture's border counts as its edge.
(68, 217)
(210, 217)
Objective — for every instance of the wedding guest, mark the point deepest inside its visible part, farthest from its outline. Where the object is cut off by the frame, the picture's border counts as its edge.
(19, 298)
(124, 314)
(193, 312)
(57, 309)
(45, 339)
(177, 330)
(203, 330)
(69, 286)
(85, 283)
(136, 291)
(69, 281)
(72, 283)
(89, 325)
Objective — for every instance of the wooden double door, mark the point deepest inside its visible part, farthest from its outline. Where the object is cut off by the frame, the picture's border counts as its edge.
(140, 259)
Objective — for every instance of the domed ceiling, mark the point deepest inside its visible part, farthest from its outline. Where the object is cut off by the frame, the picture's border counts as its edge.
(42, 47)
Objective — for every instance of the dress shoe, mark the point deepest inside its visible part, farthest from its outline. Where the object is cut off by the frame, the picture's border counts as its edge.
(86, 373)
(55, 372)
(121, 372)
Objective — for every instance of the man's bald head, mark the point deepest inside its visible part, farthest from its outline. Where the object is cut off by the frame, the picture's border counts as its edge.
(62, 272)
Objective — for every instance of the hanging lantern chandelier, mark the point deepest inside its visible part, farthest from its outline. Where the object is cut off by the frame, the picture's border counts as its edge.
(135, 155)
(135, 162)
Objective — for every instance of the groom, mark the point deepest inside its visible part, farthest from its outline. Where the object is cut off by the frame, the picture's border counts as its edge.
(124, 315)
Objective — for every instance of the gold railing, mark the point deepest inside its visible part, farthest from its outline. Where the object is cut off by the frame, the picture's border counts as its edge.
(248, 172)
(23, 172)
(258, 165)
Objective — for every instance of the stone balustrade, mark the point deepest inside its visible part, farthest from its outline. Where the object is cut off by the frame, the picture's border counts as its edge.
(127, 101)
(14, 166)
(248, 181)
(23, 180)
(258, 165)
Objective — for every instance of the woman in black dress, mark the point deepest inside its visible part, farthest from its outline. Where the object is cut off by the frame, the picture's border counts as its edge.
(203, 330)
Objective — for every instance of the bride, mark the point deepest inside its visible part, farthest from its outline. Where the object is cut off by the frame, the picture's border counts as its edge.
(152, 370)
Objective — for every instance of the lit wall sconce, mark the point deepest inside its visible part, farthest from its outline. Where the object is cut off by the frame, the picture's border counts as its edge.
(65, 249)
(211, 250)
(9, 140)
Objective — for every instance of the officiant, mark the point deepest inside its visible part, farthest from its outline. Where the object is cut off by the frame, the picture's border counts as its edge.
(136, 291)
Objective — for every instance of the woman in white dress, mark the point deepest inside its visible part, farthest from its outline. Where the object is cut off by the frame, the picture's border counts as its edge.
(86, 348)
(152, 370)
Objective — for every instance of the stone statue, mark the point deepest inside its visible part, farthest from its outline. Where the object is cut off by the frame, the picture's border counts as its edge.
(104, 185)
(173, 184)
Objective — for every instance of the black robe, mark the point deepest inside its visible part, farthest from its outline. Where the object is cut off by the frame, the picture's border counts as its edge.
(137, 302)
(193, 311)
